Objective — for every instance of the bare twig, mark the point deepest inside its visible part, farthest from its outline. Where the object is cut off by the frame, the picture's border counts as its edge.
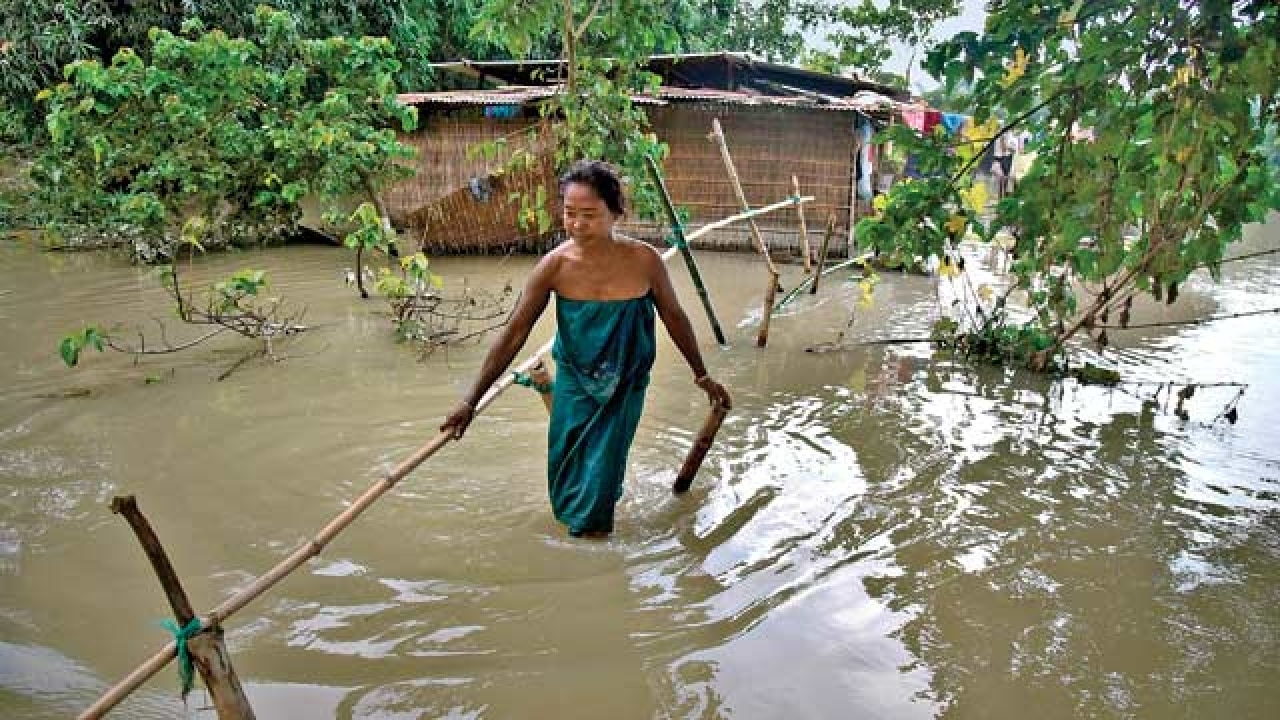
(1196, 321)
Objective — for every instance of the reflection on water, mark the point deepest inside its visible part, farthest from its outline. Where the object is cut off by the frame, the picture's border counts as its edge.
(877, 533)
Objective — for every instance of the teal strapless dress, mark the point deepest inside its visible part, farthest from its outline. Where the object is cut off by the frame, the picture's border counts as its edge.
(604, 351)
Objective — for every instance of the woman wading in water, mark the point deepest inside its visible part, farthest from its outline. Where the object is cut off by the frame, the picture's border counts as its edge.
(607, 288)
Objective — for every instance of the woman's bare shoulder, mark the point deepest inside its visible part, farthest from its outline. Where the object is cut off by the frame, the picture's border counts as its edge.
(550, 265)
(639, 249)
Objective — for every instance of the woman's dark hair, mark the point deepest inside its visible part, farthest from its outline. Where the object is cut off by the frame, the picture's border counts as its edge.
(599, 176)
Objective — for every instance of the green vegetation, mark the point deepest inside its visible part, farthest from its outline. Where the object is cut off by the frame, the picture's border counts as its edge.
(1171, 104)
(229, 133)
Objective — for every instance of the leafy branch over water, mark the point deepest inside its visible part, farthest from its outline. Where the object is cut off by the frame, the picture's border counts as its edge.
(1154, 133)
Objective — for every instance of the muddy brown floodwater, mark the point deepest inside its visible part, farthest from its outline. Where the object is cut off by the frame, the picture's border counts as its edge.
(878, 533)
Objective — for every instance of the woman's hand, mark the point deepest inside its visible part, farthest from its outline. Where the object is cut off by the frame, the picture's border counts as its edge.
(458, 420)
(715, 391)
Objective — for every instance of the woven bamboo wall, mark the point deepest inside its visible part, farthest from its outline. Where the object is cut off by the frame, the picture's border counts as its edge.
(486, 219)
(459, 200)
(443, 165)
(768, 145)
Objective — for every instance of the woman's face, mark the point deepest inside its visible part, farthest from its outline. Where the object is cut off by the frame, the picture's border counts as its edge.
(586, 216)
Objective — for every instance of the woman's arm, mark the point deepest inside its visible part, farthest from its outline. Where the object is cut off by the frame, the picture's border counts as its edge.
(679, 327)
(533, 300)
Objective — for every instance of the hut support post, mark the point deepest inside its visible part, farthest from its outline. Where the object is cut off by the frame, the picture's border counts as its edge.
(804, 228)
(208, 651)
(682, 243)
(853, 188)
(717, 136)
(822, 253)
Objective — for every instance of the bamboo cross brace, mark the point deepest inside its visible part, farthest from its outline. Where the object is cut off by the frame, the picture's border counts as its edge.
(231, 605)
(709, 227)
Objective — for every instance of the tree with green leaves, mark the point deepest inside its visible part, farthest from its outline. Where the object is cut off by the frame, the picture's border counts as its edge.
(216, 139)
(604, 47)
(1153, 128)
(861, 32)
(228, 134)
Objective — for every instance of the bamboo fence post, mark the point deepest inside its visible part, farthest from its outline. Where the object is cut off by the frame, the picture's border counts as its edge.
(804, 228)
(682, 244)
(208, 651)
(717, 136)
(701, 444)
(822, 254)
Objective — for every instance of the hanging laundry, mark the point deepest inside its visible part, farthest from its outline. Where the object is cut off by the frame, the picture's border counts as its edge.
(914, 119)
(932, 118)
(864, 159)
(953, 122)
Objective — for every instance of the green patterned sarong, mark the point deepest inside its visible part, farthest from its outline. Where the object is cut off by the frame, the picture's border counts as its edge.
(604, 350)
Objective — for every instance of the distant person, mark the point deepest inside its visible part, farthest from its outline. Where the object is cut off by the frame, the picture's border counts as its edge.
(607, 287)
(1002, 162)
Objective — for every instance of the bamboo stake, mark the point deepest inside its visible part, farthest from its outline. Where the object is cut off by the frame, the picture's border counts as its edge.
(682, 244)
(771, 290)
(208, 651)
(804, 228)
(701, 444)
(717, 136)
(822, 254)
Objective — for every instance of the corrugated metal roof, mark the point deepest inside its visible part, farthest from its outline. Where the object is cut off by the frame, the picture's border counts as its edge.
(865, 101)
(515, 95)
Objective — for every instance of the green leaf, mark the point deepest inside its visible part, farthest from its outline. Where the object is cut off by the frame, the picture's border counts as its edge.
(69, 349)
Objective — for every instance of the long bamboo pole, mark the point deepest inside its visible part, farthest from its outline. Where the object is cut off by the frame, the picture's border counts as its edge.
(771, 290)
(709, 227)
(156, 662)
(682, 244)
(804, 228)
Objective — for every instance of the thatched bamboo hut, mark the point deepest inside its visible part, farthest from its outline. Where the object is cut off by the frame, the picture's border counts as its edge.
(780, 121)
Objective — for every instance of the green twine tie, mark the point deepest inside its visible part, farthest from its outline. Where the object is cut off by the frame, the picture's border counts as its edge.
(180, 638)
(526, 380)
(677, 240)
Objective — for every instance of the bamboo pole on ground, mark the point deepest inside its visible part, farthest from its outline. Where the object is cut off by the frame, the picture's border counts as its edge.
(682, 244)
(208, 651)
(822, 254)
(717, 136)
(230, 606)
(804, 228)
